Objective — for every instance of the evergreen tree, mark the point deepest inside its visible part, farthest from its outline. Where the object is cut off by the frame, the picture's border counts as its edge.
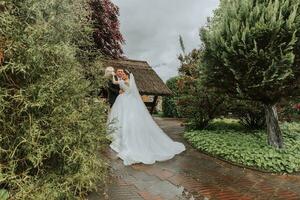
(51, 130)
(252, 51)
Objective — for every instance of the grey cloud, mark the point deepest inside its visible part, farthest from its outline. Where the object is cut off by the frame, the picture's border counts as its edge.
(151, 29)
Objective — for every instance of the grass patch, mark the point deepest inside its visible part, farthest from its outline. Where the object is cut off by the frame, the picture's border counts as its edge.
(159, 114)
(228, 140)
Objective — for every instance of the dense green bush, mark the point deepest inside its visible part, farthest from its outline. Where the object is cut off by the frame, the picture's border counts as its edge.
(228, 140)
(4, 195)
(250, 114)
(200, 104)
(169, 104)
(196, 102)
(52, 131)
(289, 109)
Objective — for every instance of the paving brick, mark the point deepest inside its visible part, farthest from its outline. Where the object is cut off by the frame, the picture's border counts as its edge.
(148, 196)
(165, 174)
(118, 192)
(194, 176)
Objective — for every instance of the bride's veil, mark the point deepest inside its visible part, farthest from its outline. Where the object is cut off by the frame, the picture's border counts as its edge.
(133, 87)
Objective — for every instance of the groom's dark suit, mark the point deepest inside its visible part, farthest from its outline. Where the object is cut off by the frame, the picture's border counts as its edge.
(113, 91)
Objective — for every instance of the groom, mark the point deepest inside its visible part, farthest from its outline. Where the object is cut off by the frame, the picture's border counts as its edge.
(113, 89)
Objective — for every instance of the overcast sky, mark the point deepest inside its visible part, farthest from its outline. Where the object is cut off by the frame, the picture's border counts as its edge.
(151, 29)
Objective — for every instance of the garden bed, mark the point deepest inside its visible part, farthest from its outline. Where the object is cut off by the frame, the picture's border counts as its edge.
(228, 140)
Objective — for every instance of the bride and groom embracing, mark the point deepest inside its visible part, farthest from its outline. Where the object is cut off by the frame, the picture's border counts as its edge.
(135, 135)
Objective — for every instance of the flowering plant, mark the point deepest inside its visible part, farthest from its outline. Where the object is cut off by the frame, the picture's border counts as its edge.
(297, 107)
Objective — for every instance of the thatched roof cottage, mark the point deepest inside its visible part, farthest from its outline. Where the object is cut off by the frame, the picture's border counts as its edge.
(147, 80)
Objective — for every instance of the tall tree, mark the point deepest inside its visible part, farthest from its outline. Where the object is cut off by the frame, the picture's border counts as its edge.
(107, 36)
(252, 51)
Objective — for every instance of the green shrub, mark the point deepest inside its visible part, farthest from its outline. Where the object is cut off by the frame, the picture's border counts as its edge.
(250, 114)
(196, 102)
(52, 131)
(4, 194)
(289, 110)
(169, 104)
(200, 104)
(246, 148)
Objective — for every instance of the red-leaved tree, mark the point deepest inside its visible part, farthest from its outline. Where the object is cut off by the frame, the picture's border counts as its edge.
(107, 36)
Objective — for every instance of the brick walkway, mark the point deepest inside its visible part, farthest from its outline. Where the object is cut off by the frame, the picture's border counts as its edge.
(192, 175)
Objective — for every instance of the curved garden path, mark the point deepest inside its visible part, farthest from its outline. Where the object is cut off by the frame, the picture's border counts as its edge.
(193, 175)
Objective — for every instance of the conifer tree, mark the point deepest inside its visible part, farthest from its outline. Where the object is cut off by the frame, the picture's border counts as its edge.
(252, 51)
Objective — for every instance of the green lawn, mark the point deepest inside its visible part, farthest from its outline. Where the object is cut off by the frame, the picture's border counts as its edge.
(159, 114)
(228, 140)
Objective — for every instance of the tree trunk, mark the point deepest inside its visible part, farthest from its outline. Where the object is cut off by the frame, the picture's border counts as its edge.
(274, 133)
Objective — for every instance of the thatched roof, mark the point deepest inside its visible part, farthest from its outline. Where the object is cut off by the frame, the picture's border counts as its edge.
(148, 82)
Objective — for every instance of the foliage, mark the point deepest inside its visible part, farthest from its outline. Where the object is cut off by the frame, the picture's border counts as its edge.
(200, 105)
(107, 36)
(242, 54)
(52, 131)
(169, 104)
(196, 102)
(228, 140)
(250, 114)
(4, 194)
(252, 51)
(296, 108)
(289, 109)
(94, 73)
(2, 41)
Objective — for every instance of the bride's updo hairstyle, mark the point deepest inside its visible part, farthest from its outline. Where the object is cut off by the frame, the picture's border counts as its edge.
(127, 72)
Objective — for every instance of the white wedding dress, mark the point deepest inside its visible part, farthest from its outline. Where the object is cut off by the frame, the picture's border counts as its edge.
(135, 135)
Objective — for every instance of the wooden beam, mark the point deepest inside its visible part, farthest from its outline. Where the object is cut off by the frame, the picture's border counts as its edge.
(1, 56)
(153, 104)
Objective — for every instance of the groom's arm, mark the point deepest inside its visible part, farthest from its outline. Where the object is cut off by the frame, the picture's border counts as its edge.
(112, 87)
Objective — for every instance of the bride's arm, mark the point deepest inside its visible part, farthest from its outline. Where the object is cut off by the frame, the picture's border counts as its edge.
(127, 82)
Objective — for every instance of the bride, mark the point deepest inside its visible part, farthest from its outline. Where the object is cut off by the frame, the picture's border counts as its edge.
(136, 137)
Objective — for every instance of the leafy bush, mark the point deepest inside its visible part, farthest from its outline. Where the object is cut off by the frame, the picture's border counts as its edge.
(169, 104)
(52, 131)
(200, 105)
(196, 102)
(289, 110)
(4, 194)
(250, 114)
(235, 145)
